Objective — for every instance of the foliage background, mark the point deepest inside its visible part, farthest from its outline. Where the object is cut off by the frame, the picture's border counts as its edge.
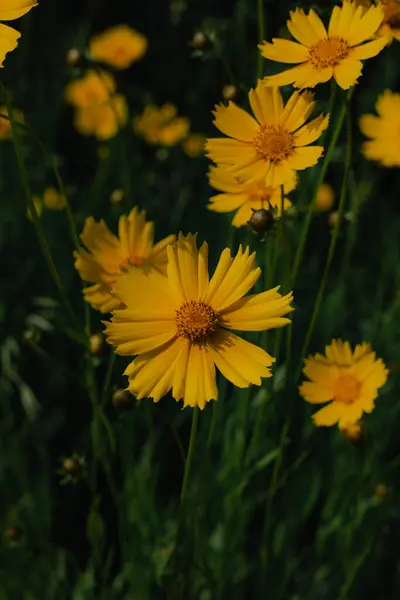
(322, 533)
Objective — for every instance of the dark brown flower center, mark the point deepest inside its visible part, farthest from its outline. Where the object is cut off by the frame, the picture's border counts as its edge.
(196, 321)
(274, 143)
(328, 52)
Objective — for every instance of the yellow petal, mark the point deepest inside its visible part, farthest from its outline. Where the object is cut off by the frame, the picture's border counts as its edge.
(305, 157)
(226, 151)
(302, 28)
(317, 25)
(146, 294)
(267, 104)
(158, 254)
(284, 51)
(370, 125)
(312, 131)
(88, 268)
(239, 361)
(342, 19)
(347, 72)
(369, 49)
(202, 271)
(297, 110)
(135, 336)
(200, 384)
(235, 122)
(339, 352)
(368, 25)
(315, 394)
(8, 41)
(103, 244)
(329, 415)
(182, 268)
(227, 202)
(99, 296)
(258, 312)
(223, 181)
(14, 9)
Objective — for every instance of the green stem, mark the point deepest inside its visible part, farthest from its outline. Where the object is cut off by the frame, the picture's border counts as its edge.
(188, 462)
(107, 379)
(335, 235)
(36, 219)
(261, 35)
(320, 180)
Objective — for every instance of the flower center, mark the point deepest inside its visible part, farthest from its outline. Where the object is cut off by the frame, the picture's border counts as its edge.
(136, 261)
(328, 52)
(196, 321)
(274, 143)
(347, 389)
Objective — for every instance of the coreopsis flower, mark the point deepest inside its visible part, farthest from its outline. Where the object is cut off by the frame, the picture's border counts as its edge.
(9, 11)
(119, 46)
(52, 199)
(391, 19)
(104, 119)
(105, 255)
(325, 198)
(179, 326)
(161, 126)
(245, 198)
(271, 147)
(383, 131)
(348, 380)
(320, 54)
(193, 145)
(5, 125)
(95, 87)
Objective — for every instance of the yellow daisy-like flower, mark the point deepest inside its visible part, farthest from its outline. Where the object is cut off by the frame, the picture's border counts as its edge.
(245, 198)
(325, 198)
(348, 380)
(321, 54)
(5, 125)
(391, 19)
(9, 11)
(161, 126)
(119, 46)
(193, 145)
(104, 119)
(383, 131)
(95, 87)
(179, 326)
(105, 255)
(271, 147)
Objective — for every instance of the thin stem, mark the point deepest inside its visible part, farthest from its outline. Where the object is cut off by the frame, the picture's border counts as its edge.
(36, 219)
(188, 462)
(320, 180)
(335, 235)
(261, 35)
(107, 378)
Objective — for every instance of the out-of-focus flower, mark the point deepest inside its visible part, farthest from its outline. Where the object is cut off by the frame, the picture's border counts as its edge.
(391, 19)
(381, 491)
(5, 125)
(117, 196)
(193, 145)
(161, 126)
(383, 131)
(321, 54)
(119, 46)
(52, 199)
(325, 198)
(348, 380)
(354, 433)
(105, 255)
(245, 197)
(271, 147)
(95, 87)
(104, 119)
(180, 325)
(38, 206)
(9, 11)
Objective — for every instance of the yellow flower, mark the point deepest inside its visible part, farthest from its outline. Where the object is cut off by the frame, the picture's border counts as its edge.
(93, 88)
(354, 433)
(179, 325)
(106, 255)
(38, 207)
(348, 380)
(9, 11)
(52, 199)
(119, 46)
(104, 119)
(325, 198)
(161, 125)
(391, 19)
(320, 54)
(272, 147)
(245, 198)
(193, 146)
(383, 131)
(5, 125)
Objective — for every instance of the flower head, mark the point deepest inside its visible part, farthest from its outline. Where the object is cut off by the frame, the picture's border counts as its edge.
(383, 131)
(193, 145)
(179, 326)
(271, 147)
(325, 198)
(5, 125)
(348, 380)
(245, 198)
(161, 126)
(391, 19)
(105, 255)
(119, 46)
(95, 87)
(52, 199)
(9, 11)
(320, 54)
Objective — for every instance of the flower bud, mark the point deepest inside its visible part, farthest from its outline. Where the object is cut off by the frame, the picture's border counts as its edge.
(97, 344)
(73, 57)
(117, 196)
(381, 491)
(200, 41)
(230, 92)
(123, 399)
(325, 198)
(262, 220)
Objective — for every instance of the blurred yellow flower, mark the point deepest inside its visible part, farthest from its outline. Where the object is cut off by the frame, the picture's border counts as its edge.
(348, 380)
(119, 46)
(52, 199)
(321, 54)
(161, 125)
(38, 207)
(245, 197)
(383, 131)
(193, 145)
(95, 87)
(5, 125)
(391, 19)
(102, 120)
(9, 11)
(105, 255)
(271, 148)
(353, 432)
(325, 198)
(180, 325)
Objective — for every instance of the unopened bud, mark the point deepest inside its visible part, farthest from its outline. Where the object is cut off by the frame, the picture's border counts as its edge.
(13, 534)
(230, 92)
(73, 57)
(200, 41)
(117, 196)
(71, 465)
(123, 399)
(262, 220)
(96, 344)
(381, 491)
